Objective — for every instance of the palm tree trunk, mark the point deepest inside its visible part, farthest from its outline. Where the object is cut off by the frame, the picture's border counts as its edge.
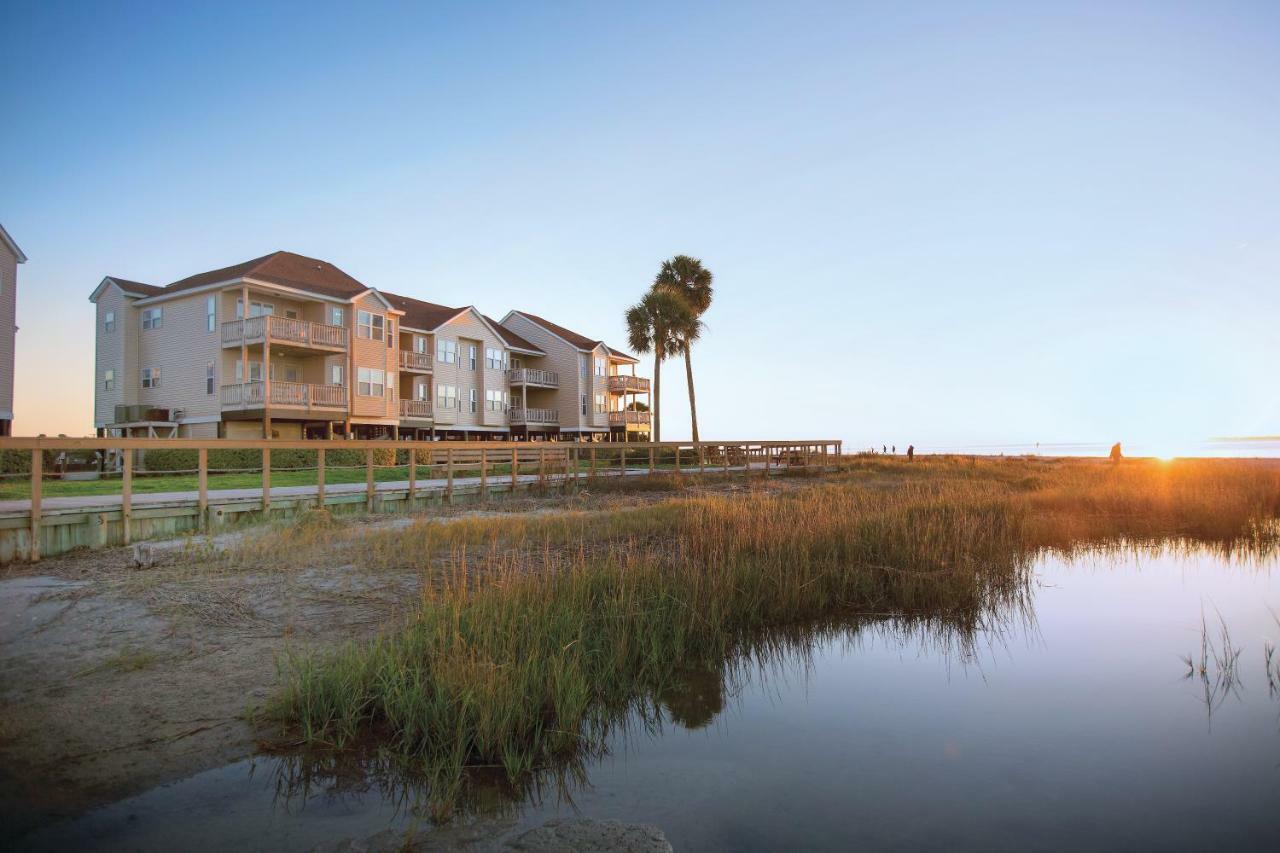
(657, 397)
(693, 403)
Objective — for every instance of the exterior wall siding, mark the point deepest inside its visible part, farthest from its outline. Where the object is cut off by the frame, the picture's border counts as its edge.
(564, 359)
(8, 327)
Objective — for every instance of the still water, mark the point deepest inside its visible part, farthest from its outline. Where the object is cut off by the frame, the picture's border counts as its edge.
(1069, 724)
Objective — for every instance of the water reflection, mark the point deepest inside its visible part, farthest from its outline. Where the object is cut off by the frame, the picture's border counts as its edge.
(1066, 724)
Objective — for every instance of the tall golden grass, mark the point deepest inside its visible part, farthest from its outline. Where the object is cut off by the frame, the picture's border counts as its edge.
(540, 632)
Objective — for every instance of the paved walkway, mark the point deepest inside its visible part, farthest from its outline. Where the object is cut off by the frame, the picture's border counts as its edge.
(92, 503)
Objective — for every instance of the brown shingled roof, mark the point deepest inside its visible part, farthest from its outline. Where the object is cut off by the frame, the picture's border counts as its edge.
(579, 341)
(511, 338)
(136, 287)
(419, 314)
(283, 268)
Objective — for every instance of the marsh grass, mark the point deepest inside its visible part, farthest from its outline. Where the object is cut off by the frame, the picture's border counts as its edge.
(536, 635)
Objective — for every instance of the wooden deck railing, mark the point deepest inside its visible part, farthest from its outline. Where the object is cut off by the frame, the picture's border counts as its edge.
(283, 330)
(622, 418)
(533, 376)
(622, 384)
(572, 460)
(524, 417)
(410, 360)
(250, 395)
(415, 409)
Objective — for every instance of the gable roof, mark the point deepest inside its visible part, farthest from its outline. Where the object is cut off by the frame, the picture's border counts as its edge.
(582, 342)
(570, 337)
(129, 288)
(283, 268)
(512, 339)
(13, 247)
(421, 315)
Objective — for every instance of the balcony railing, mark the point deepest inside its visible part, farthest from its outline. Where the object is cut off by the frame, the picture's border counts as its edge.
(420, 361)
(417, 409)
(625, 418)
(283, 330)
(533, 376)
(525, 417)
(294, 395)
(621, 384)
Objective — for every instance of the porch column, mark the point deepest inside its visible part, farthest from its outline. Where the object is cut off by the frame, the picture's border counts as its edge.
(244, 345)
(266, 380)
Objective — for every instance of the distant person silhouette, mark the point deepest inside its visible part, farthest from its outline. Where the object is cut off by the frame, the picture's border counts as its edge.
(911, 452)
(1116, 455)
(895, 448)
(884, 448)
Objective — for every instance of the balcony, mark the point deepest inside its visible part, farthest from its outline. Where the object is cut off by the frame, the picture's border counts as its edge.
(415, 410)
(535, 417)
(533, 377)
(287, 395)
(628, 419)
(284, 330)
(415, 362)
(628, 384)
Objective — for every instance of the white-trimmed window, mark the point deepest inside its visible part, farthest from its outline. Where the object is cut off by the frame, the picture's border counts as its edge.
(336, 317)
(473, 400)
(371, 382)
(471, 356)
(152, 318)
(210, 314)
(446, 397)
(255, 371)
(447, 352)
(335, 374)
(210, 377)
(495, 359)
(256, 309)
(391, 333)
(493, 401)
(420, 344)
(600, 404)
(150, 377)
(584, 404)
(369, 325)
(109, 321)
(584, 365)
(421, 391)
(599, 367)
(108, 380)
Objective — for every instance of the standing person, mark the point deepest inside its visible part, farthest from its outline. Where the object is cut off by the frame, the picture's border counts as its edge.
(894, 448)
(884, 448)
(911, 452)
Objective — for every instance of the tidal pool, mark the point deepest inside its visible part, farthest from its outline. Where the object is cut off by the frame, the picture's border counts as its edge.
(1071, 722)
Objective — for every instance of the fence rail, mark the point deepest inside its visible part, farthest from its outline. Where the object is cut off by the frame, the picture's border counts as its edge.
(565, 461)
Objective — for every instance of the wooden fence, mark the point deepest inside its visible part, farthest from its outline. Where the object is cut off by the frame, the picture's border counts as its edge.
(441, 461)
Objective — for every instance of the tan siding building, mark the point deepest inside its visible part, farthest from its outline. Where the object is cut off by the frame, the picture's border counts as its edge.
(10, 257)
(288, 346)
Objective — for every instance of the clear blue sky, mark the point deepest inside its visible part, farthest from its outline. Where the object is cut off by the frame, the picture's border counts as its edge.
(941, 224)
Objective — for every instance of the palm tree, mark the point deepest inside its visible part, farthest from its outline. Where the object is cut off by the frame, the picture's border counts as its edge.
(651, 327)
(688, 279)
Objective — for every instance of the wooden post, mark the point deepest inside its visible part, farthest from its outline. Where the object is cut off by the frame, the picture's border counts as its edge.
(413, 475)
(448, 463)
(593, 463)
(622, 460)
(484, 473)
(542, 465)
(37, 490)
(368, 480)
(515, 467)
(677, 457)
(266, 482)
(126, 497)
(202, 508)
(650, 458)
(320, 478)
(702, 459)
